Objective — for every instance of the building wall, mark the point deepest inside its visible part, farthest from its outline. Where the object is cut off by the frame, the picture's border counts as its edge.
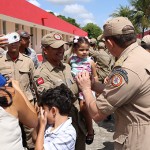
(35, 42)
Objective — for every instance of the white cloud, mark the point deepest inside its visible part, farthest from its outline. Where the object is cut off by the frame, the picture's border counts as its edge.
(71, 9)
(67, 2)
(34, 2)
(79, 13)
(55, 13)
(87, 15)
(74, 9)
(62, 2)
(84, 0)
(87, 21)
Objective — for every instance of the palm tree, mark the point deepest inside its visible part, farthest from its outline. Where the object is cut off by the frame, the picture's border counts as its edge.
(141, 14)
(123, 11)
(126, 11)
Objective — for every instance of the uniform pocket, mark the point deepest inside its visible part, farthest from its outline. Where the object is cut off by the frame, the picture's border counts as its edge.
(70, 82)
(24, 76)
(121, 139)
(121, 142)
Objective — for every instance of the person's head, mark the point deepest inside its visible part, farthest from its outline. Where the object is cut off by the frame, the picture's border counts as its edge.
(119, 33)
(93, 42)
(101, 45)
(24, 38)
(70, 41)
(5, 96)
(53, 47)
(145, 42)
(81, 46)
(57, 101)
(14, 46)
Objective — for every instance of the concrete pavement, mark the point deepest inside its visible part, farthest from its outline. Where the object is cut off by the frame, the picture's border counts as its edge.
(103, 139)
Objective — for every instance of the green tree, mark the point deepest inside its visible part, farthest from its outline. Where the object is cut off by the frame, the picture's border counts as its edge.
(93, 30)
(123, 11)
(51, 13)
(141, 14)
(70, 20)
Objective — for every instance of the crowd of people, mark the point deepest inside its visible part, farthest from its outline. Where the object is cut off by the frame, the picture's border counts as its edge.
(52, 105)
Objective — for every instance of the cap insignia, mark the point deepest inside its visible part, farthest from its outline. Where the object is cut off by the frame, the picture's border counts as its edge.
(57, 36)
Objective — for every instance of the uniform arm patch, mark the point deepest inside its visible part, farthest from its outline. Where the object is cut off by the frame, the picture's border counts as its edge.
(39, 81)
(116, 80)
(117, 76)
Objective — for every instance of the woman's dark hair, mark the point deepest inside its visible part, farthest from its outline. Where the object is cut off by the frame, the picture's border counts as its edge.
(60, 97)
(3, 99)
(79, 40)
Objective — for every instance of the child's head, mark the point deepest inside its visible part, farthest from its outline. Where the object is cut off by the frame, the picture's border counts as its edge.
(81, 46)
(57, 99)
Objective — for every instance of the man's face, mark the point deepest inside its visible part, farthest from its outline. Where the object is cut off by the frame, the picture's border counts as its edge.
(54, 54)
(110, 45)
(25, 41)
(14, 47)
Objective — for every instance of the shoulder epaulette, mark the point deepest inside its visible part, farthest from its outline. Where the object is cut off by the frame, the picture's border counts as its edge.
(120, 61)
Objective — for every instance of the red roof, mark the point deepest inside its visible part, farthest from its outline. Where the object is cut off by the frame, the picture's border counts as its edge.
(21, 9)
(145, 33)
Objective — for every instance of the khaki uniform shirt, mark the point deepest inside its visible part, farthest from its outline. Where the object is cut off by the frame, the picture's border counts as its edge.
(2, 51)
(67, 55)
(103, 61)
(48, 76)
(127, 94)
(92, 52)
(22, 70)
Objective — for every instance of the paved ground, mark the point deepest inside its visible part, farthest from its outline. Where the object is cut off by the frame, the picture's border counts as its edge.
(103, 136)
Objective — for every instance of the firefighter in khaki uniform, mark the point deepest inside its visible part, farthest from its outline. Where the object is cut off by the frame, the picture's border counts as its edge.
(68, 52)
(127, 92)
(53, 72)
(22, 70)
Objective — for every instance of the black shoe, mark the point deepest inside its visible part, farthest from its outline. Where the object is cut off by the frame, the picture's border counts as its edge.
(89, 138)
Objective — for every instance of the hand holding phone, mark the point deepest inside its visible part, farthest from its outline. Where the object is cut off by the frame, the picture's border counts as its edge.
(12, 37)
(3, 40)
(9, 38)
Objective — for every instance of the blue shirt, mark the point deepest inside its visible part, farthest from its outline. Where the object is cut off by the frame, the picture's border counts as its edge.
(62, 138)
(32, 54)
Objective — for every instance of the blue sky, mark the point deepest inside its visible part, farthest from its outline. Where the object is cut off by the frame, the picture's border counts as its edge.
(84, 11)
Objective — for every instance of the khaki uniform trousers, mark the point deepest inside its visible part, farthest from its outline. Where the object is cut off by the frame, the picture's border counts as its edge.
(79, 125)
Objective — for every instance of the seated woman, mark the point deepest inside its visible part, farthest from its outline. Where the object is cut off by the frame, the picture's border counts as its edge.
(14, 107)
(59, 133)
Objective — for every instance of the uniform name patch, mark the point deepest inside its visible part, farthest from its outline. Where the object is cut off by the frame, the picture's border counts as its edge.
(116, 80)
(39, 81)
